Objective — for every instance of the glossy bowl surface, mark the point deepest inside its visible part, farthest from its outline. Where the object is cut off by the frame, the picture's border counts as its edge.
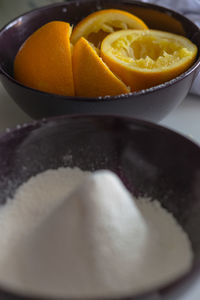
(152, 104)
(149, 159)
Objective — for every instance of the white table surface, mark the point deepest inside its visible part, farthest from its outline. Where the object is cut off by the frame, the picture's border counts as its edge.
(185, 119)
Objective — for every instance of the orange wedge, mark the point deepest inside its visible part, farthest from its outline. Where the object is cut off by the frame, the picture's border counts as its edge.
(145, 58)
(44, 61)
(98, 25)
(92, 78)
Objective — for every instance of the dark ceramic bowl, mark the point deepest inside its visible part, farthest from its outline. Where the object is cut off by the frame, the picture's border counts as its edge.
(150, 160)
(152, 104)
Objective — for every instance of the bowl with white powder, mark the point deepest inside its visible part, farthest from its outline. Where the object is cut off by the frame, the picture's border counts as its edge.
(152, 104)
(98, 207)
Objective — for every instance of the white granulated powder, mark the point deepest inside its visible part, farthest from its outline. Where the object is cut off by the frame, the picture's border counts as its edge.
(70, 233)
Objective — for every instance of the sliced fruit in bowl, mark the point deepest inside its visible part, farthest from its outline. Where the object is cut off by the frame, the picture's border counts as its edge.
(153, 103)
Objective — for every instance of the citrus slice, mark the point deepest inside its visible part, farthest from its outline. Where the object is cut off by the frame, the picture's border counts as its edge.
(98, 25)
(92, 78)
(145, 58)
(44, 61)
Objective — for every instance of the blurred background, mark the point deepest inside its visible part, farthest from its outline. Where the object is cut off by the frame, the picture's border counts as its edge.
(9, 9)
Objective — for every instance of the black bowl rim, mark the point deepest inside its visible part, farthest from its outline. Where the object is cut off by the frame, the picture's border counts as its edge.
(148, 91)
(191, 275)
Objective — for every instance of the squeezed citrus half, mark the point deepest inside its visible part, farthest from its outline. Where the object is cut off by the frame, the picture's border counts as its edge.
(44, 61)
(92, 78)
(98, 25)
(145, 58)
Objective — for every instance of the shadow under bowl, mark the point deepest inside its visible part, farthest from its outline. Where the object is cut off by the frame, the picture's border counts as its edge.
(151, 104)
(149, 159)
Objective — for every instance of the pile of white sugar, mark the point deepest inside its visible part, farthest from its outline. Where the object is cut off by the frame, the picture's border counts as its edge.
(70, 233)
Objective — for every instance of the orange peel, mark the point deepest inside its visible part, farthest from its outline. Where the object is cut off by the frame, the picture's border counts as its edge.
(145, 58)
(92, 78)
(96, 26)
(44, 61)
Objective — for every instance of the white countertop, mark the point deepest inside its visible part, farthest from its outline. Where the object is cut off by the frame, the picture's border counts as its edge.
(185, 119)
